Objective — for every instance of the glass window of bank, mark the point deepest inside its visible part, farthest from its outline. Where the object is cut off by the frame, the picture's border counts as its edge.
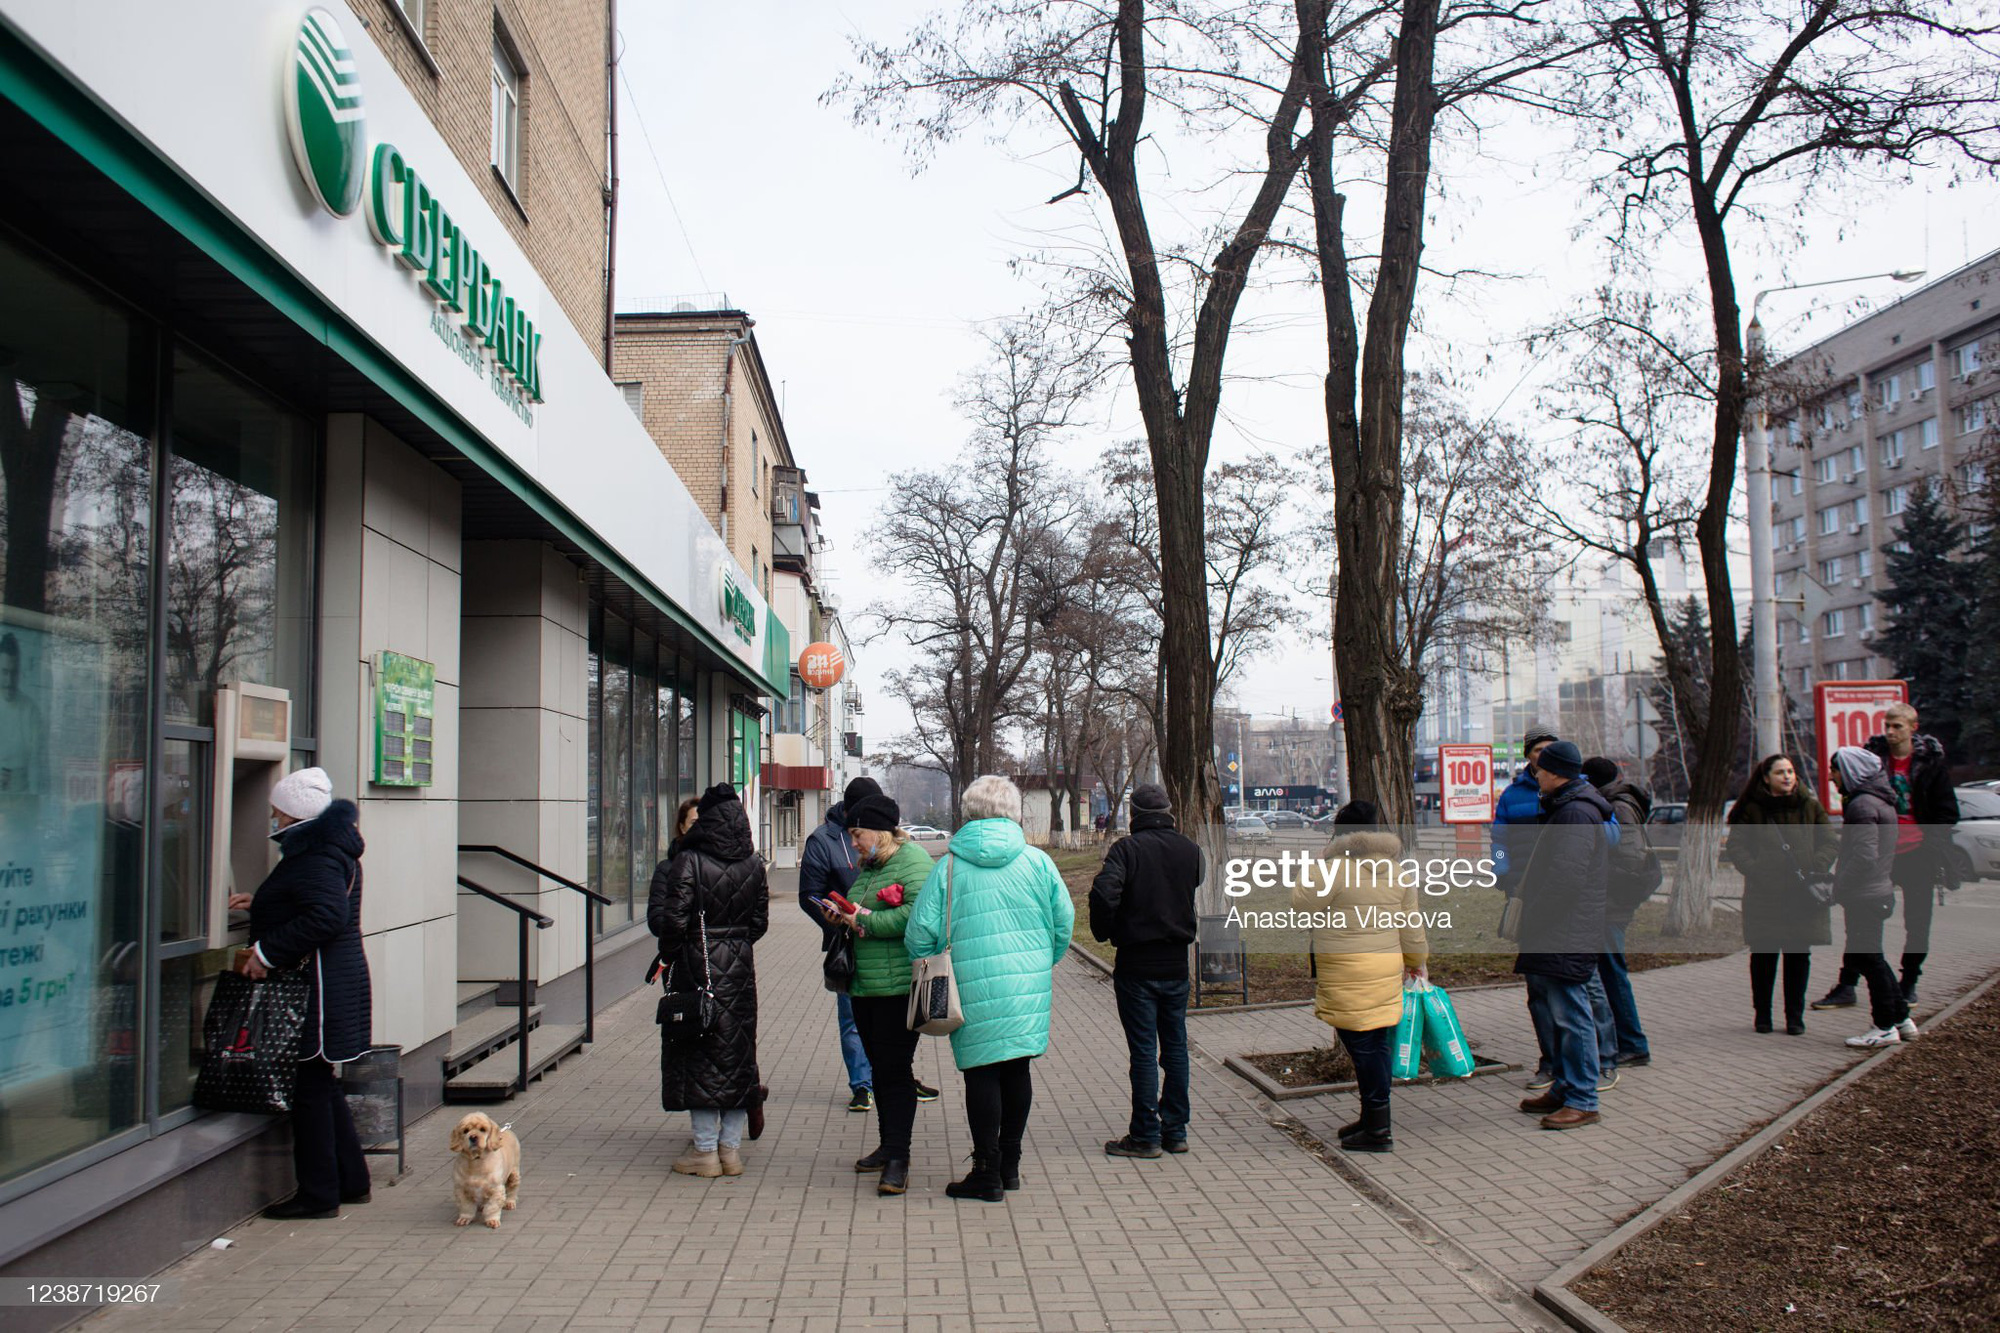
(157, 539)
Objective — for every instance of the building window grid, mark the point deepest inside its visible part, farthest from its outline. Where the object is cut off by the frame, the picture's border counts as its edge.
(1833, 624)
(1829, 520)
(1965, 359)
(1893, 448)
(1926, 376)
(1927, 434)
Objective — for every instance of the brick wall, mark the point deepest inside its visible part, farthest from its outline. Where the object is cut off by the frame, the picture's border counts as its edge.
(683, 362)
(558, 217)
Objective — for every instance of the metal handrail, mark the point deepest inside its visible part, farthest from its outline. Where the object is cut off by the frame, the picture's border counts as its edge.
(525, 915)
(589, 933)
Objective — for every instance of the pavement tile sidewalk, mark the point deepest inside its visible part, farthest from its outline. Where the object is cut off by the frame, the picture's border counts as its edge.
(1244, 1232)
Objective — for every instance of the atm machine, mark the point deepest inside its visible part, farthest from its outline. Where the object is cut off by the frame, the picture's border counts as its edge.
(253, 737)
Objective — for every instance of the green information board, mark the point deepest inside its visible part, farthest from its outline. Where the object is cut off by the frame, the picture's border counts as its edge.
(405, 702)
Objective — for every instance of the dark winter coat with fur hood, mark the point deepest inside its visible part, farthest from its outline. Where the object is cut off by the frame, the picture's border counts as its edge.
(716, 874)
(307, 915)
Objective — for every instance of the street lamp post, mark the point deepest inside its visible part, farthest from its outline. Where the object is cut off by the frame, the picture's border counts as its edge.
(1768, 692)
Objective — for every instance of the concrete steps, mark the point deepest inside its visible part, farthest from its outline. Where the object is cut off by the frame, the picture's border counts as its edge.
(491, 1078)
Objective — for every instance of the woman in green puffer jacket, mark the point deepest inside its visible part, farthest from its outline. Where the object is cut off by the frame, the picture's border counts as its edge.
(1009, 923)
(885, 892)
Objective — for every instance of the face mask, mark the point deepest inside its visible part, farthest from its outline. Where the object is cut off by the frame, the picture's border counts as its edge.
(276, 832)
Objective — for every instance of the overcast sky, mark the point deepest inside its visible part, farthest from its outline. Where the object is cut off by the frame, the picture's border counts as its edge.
(869, 284)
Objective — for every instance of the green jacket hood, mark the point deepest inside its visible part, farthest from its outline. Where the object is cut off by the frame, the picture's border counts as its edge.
(989, 842)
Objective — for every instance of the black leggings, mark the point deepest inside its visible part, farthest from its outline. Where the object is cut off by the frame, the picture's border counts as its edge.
(1764, 974)
(883, 1024)
(997, 1099)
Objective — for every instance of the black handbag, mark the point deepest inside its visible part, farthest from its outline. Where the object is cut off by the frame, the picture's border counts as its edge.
(689, 1015)
(250, 1037)
(838, 965)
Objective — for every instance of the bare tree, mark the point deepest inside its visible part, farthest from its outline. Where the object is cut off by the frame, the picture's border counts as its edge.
(1712, 112)
(977, 545)
(1094, 72)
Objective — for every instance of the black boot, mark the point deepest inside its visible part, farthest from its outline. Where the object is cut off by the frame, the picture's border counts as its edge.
(1352, 1127)
(1010, 1167)
(1373, 1136)
(1763, 1020)
(982, 1182)
(895, 1176)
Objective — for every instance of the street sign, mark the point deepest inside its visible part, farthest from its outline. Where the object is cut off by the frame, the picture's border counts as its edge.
(1848, 712)
(1465, 783)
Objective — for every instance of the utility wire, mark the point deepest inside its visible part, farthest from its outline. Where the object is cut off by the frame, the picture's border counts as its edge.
(633, 98)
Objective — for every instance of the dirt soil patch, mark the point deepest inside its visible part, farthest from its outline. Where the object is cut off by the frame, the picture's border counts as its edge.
(1880, 1210)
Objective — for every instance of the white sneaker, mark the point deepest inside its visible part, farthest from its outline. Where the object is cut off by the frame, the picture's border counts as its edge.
(1876, 1037)
(1907, 1029)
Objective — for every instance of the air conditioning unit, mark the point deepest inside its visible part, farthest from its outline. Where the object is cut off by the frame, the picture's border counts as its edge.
(1792, 549)
(1856, 529)
(1847, 478)
(1892, 464)
(1860, 583)
(1917, 395)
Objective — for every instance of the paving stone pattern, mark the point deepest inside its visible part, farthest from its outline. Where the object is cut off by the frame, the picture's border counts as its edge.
(1245, 1232)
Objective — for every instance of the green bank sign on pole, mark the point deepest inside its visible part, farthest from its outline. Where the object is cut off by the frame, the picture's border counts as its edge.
(405, 703)
(472, 314)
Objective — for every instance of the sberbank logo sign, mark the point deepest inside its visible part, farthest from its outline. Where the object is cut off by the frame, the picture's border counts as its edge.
(473, 316)
(323, 111)
(737, 609)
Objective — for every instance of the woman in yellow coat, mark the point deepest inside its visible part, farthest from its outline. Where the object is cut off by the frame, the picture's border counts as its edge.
(1373, 943)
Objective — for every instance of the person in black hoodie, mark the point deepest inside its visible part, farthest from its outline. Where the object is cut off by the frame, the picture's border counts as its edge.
(307, 914)
(708, 907)
(1142, 902)
(1562, 894)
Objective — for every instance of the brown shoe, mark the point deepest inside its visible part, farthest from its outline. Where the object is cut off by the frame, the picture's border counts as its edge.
(1542, 1105)
(1569, 1118)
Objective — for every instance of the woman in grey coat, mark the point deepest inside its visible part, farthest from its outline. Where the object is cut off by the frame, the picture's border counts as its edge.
(1864, 888)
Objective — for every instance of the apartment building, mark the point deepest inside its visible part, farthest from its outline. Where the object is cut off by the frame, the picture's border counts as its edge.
(312, 459)
(1901, 398)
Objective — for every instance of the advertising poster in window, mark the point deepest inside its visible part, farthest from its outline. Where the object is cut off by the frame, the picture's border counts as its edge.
(405, 705)
(1465, 776)
(52, 781)
(1848, 712)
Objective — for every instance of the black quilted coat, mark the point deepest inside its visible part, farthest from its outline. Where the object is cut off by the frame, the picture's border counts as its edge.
(718, 871)
(307, 914)
(1563, 889)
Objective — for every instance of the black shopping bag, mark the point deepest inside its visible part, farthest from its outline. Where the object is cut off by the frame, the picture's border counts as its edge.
(251, 1041)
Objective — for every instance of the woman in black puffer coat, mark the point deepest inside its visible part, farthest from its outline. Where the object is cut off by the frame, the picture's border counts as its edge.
(307, 915)
(714, 878)
(1781, 840)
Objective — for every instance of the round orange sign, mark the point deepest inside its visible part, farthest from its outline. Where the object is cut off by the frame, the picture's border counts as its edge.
(821, 666)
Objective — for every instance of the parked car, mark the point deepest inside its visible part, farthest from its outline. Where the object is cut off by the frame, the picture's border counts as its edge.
(927, 836)
(1250, 828)
(1667, 822)
(1284, 820)
(1976, 840)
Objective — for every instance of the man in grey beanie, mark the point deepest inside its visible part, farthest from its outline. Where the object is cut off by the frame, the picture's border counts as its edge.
(1142, 902)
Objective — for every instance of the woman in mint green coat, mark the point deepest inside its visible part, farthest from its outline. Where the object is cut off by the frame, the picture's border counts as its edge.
(1010, 919)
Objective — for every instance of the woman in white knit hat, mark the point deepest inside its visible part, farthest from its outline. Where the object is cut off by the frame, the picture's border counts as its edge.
(307, 915)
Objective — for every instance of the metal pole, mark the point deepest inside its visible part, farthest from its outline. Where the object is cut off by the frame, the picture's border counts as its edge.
(589, 972)
(1767, 702)
(522, 1040)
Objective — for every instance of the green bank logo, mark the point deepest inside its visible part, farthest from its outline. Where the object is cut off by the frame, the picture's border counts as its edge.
(738, 611)
(323, 111)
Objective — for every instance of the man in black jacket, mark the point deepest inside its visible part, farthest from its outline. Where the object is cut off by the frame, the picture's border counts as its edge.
(1142, 902)
(1562, 894)
(1926, 811)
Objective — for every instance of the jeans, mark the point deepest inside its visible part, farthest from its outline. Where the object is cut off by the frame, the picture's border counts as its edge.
(1628, 1038)
(859, 1075)
(1573, 1038)
(997, 1100)
(326, 1152)
(1154, 1015)
(1602, 1020)
(883, 1024)
(712, 1127)
(1369, 1053)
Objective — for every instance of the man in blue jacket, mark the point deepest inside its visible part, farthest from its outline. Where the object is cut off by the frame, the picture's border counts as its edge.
(828, 865)
(1517, 817)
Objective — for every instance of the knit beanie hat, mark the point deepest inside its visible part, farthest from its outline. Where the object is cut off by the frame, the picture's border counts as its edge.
(1561, 758)
(1602, 772)
(1355, 813)
(1535, 736)
(720, 794)
(303, 795)
(874, 812)
(1151, 796)
(859, 788)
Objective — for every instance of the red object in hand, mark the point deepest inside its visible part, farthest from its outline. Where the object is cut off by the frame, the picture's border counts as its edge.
(891, 896)
(846, 908)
